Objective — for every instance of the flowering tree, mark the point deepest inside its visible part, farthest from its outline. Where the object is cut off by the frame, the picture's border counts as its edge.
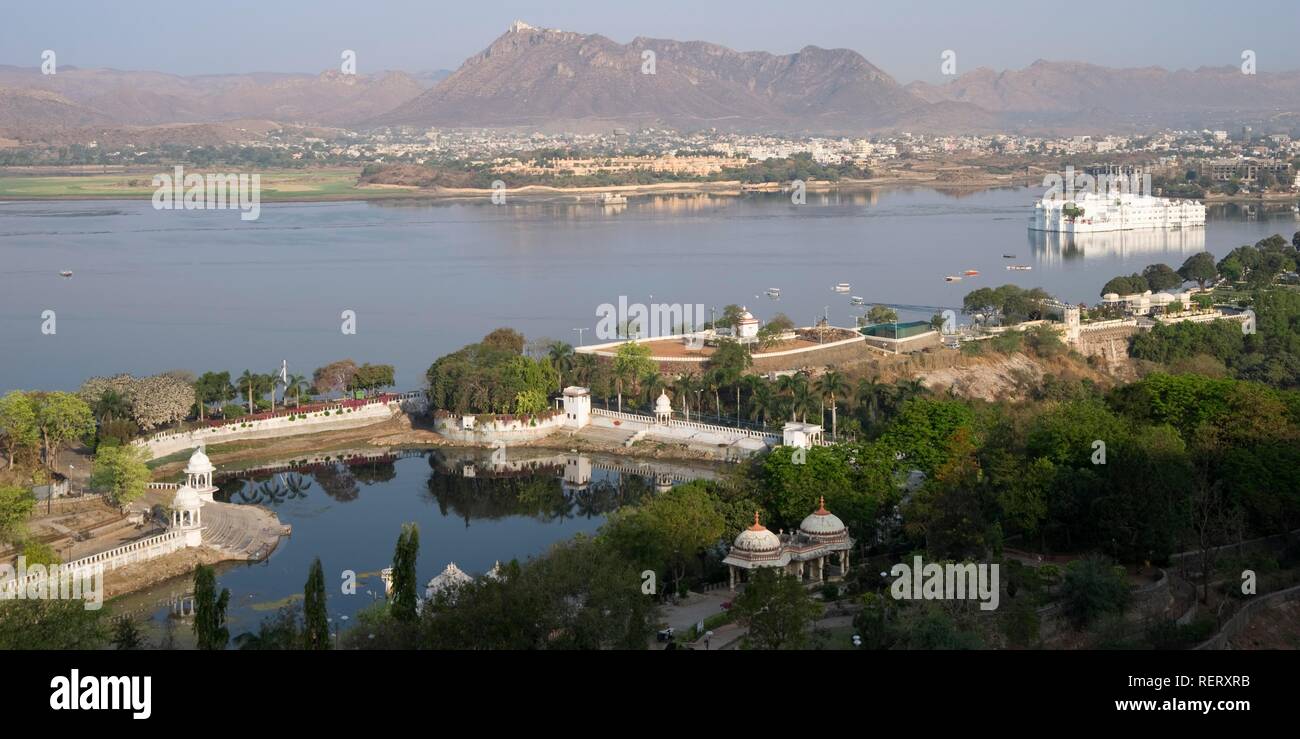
(161, 399)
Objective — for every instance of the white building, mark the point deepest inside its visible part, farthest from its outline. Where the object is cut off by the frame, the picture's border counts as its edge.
(1095, 213)
(802, 554)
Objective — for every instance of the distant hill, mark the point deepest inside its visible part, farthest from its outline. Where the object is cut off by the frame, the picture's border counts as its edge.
(563, 81)
(547, 78)
(151, 98)
(1047, 89)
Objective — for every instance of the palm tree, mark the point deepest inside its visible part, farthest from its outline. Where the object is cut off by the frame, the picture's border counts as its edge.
(831, 384)
(297, 383)
(561, 355)
(801, 399)
(683, 387)
(111, 406)
(584, 366)
(249, 381)
(620, 376)
(751, 384)
(868, 395)
(762, 401)
(651, 383)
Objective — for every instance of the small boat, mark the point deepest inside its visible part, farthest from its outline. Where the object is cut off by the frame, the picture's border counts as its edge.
(1019, 267)
(611, 198)
(952, 278)
(857, 300)
(774, 292)
(843, 287)
(971, 273)
(1008, 256)
(65, 273)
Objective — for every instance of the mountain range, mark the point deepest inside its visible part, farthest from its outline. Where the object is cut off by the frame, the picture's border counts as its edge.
(558, 80)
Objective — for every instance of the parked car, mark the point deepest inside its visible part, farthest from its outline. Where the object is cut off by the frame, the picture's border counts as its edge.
(666, 634)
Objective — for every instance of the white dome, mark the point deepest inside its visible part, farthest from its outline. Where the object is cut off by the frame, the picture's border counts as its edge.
(187, 499)
(450, 577)
(757, 538)
(199, 463)
(822, 522)
(746, 317)
(663, 404)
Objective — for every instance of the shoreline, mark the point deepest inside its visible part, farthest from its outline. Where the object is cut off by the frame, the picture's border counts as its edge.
(379, 192)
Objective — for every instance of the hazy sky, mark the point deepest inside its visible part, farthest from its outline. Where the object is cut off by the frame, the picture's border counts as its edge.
(905, 39)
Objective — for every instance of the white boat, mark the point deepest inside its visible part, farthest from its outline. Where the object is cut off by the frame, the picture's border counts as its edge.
(774, 292)
(843, 287)
(612, 198)
(65, 273)
(952, 278)
(1019, 267)
(857, 300)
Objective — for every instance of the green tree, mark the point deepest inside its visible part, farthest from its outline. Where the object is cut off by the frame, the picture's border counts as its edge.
(18, 427)
(631, 361)
(61, 418)
(127, 634)
(1199, 268)
(50, 625)
(776, 609)
(16, 505)
(1161, 277)
(316, 631)
(210, 610)
(121, 472)
(832, 386)
(1092, 588)
(213, 387)
(882, 314)
(669, 531)
(561, 356)
(404, 584)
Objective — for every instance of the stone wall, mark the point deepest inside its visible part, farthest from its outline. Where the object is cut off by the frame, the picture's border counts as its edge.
(333, 418)
(508, 430)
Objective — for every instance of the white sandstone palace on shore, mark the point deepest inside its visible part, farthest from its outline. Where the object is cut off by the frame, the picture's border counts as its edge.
(1097, 213)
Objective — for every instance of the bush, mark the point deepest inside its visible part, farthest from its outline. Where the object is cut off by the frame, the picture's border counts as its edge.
(1091, 589)
(233, 411)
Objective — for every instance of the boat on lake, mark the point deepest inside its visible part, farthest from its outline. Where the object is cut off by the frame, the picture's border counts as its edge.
(857, 300)
(971, 273)
(952, 278)
(843, 287)
(65, 273)
(774, 292)
(1019, 267)
(612, 198)
(1008, 256)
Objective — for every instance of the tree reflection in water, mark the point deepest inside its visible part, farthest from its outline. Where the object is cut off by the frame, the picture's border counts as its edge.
(271, 490)
(538, 494)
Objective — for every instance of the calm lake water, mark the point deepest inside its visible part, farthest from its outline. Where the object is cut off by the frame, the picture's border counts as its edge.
(350, 515)
(202, 290)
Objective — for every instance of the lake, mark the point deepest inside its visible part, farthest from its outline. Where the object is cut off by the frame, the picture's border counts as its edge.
(205, 291)
(470, 510)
